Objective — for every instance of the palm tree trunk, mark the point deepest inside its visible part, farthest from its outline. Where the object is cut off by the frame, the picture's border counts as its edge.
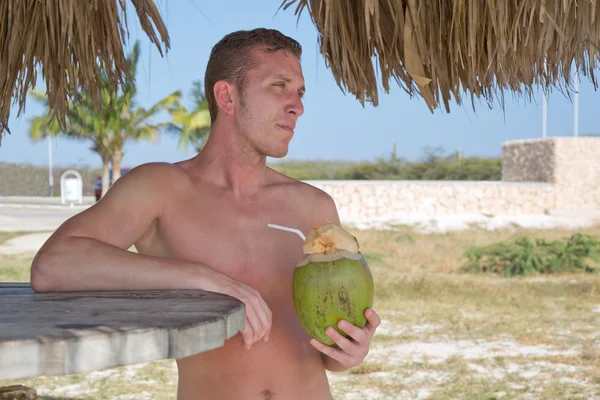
(105, 173)
(116, 164)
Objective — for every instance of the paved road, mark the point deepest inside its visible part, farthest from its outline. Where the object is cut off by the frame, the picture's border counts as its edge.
(34, 219)
(41, 201)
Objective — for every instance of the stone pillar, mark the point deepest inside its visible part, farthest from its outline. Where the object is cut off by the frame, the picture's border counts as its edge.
(578, 173)
(571, 163)
(531, 160)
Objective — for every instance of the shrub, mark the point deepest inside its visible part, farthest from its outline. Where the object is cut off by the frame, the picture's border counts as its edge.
(461, 169)
(578, 253)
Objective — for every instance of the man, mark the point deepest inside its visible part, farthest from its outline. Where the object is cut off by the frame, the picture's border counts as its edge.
(202, 224)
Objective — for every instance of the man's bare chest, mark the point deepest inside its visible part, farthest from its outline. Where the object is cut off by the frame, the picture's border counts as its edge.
(233, 240)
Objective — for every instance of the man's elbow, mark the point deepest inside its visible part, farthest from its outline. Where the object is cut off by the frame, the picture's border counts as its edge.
(41, 273)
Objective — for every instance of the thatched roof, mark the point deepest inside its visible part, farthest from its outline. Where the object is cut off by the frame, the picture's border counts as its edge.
(444, 49)
(441, 50)
(65, 41)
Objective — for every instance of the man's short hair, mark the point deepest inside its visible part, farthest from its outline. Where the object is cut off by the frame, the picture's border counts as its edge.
(230, 59)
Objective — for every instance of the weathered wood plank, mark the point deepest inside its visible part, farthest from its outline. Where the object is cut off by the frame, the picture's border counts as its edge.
(71, 332)
(15, 285)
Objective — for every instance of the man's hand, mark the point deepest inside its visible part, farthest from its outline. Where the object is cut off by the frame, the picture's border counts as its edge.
(258, 314)
(351, 352)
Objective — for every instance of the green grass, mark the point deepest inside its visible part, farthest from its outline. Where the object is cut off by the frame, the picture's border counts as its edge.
(14, 268)
(4, 236)
(518, 337)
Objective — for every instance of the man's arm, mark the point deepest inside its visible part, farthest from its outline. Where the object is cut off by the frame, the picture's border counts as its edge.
(350, 352)
(90, 251)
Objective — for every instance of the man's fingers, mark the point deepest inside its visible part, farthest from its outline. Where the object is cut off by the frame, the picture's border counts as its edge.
(247, 334)
(269, 315)
(265, 315)
(343, 343)
(359, 335)
(258, 314)
(261, 323)
(254, 321)
(331, 352)
(373, 321)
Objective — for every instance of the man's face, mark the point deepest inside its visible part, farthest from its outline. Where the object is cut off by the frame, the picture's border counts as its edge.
(271, 102)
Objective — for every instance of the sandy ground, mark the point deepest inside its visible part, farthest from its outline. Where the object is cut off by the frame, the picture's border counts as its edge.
(420, 383)
(457, 222)
(24, 244)
(414, 344)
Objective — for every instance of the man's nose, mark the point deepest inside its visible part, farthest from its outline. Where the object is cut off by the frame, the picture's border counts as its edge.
(296, 107)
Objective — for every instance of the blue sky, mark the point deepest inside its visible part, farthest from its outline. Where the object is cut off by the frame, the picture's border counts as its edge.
(335, 126)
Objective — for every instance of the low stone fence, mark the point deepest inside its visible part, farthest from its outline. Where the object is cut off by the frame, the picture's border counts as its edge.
(362, 200)
(539, 176)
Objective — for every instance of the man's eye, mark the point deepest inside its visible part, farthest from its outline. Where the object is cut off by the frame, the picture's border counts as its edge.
(280, 84)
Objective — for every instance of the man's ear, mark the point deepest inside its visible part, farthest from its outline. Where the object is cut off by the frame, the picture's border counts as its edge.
(225, 95)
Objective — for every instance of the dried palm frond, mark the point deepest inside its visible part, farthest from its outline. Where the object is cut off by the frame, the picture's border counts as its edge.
(69, 42)
(444, 48)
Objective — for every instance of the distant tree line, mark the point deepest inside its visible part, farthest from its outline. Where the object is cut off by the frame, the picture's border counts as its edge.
(435, 165)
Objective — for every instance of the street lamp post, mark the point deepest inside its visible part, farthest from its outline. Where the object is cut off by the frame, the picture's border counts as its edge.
(50, 174)
(576, 106)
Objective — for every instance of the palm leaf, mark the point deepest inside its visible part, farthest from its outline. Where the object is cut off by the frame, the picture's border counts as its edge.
(440, 50)
(72, 44)
(192, 126)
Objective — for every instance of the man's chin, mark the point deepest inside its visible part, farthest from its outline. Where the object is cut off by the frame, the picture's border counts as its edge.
(279, 153)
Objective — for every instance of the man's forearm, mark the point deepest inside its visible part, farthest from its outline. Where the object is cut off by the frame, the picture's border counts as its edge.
(77, 263)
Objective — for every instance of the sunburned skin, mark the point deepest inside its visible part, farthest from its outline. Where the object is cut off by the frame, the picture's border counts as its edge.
(202, 224)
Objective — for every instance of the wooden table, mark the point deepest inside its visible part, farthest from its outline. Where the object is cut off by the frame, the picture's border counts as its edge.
(74, 332)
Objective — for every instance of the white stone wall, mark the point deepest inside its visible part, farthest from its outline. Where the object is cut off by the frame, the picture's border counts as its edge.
(365, 200)
(539, 176)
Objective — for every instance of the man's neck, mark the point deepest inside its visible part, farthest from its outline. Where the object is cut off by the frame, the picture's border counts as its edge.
(231, 164)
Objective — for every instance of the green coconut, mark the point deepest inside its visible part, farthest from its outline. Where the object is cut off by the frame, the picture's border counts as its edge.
(332, 285)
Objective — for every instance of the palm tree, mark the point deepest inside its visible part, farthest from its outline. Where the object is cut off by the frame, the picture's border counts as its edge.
(129, 122)
(193, 127)
(111, 126)
(89, 123)
(43, 126)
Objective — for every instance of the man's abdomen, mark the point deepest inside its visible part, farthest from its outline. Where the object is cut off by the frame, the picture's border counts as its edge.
(286, 367)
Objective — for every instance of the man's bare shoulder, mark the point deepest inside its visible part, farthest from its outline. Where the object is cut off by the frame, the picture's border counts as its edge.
(157, 173)
(319, 202)
(294, 184)
(161, 168)
(150, 180)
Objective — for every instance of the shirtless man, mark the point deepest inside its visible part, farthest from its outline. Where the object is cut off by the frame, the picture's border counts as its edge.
(202, 224)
